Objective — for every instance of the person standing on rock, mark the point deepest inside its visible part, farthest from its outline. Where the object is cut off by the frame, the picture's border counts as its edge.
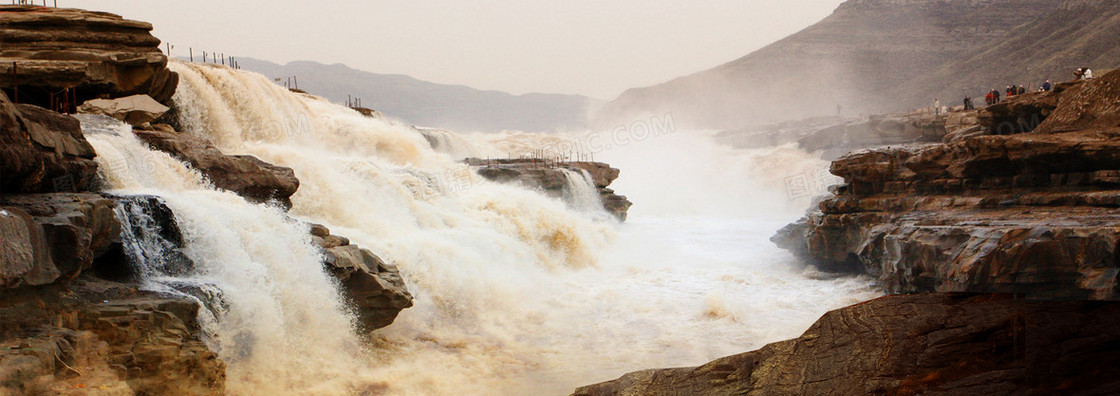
(996, 92)
(1022, 90)
(990, 99)
(937, 106)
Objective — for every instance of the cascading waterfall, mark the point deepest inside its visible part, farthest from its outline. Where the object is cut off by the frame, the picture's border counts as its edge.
(580, 192)
(516, 293)
(283, 329)
(449, 143)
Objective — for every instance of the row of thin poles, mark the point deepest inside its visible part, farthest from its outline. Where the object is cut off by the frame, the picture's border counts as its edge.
(539, 159)
(209, 57)
(32, 2)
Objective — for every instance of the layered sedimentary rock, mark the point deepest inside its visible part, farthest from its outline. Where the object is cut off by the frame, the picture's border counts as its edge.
(106, 337)
(371, 286)
(1031, 213)
(935, 344)
(549, 178)
(65, 329)
(93, 54)
(245, 175)
(42, 151)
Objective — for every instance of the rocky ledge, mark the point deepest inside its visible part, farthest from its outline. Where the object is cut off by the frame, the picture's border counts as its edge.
(549, 178)
(933, 344)
(245, 175)
(1031, 213)
(91, 54)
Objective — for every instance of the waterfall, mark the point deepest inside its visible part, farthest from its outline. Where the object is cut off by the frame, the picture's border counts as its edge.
(280, 324)
(516, 293)
(449, 143)
(580, 192)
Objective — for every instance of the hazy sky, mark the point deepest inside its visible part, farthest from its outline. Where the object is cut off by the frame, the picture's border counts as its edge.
(592, 47)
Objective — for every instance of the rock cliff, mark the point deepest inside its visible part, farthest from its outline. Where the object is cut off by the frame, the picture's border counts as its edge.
(931, 344)
(1030, 213)
(67, 56)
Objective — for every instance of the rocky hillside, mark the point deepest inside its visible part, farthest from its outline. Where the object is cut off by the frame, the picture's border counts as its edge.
(434, 105)
(880, 56)
(926, 344)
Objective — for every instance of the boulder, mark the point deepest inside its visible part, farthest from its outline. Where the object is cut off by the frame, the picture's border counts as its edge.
(373, 288)
(136, 110)
(54, 236)
(85, 53)
(42, 151)
(256, 180)
(937, 344)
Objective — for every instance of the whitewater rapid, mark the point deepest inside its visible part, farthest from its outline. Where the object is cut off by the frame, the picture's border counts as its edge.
(516, 293)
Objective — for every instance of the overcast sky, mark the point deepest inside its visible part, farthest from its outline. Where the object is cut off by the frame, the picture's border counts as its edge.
(592, 47)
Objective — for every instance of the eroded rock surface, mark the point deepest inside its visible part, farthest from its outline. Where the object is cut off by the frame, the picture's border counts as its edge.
(94, 54)
(42, 151)
(934, 344)
(373, 287)
(248, 176)
(1031, 213)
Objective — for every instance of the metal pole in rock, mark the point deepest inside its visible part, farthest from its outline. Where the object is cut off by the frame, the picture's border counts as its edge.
(15, 82)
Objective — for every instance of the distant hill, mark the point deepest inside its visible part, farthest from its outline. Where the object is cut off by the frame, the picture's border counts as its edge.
(434, 105)
(877, 56)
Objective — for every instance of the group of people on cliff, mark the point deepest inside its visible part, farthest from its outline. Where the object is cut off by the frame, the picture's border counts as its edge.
(994, 96)
(1083, 73)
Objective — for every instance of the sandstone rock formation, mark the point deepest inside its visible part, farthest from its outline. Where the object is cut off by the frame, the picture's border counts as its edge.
(53, 236)
(933, 344)
(256, 180)
(550, 179)
(1030, 213)
(105, 337)
(42, 151)
(94, 54)
(64, 328)
(136, 110)
(374, 288)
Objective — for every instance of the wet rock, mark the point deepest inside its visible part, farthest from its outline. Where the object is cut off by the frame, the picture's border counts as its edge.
(43, 151)
(96, 53)
(372, 287)
(256, 180)
(136, 110)
(916, 344)
(549, 178)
